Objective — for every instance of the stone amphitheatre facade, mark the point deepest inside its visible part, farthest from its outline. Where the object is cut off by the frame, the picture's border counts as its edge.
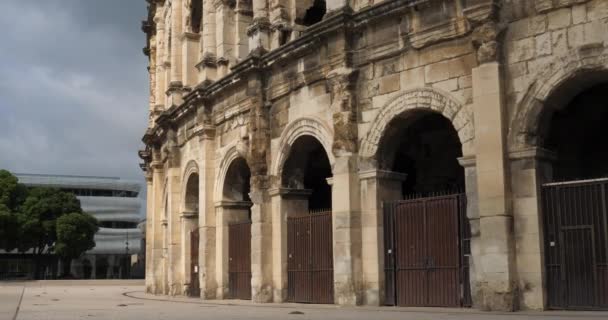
(397, 152)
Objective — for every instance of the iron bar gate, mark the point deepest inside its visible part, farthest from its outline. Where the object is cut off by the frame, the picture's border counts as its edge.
(239, 261)
(310, 272)
(427, 245)
(576, 246)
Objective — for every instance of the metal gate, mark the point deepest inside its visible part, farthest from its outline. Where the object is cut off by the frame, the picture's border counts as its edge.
(427, 244)
(194, 282)
(239, 263)
(576, 245)
(310, 271)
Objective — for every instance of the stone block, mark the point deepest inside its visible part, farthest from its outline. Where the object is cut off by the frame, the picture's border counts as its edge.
(413, 78)
(559, 39)
(576, 36)
(595, 32)
(437, 71)
(521, 50)
(543, 44)
(579, 14)
(597, 9)
(447, 85)
(559, 19)
(465, 82)
(389, 84)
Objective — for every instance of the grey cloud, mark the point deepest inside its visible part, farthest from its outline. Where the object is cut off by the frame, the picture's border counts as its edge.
(73, 86)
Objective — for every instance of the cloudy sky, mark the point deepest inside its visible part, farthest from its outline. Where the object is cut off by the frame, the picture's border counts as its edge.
(73, 86)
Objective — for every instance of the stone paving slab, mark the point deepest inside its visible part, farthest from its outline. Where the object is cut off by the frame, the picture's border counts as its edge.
(9, 300)
(63, 301)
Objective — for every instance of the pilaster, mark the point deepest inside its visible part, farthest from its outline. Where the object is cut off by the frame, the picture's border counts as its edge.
(207, 218)
(376, 186)
(346, 224)
(497, 290)
(261, 245)
(259, 30)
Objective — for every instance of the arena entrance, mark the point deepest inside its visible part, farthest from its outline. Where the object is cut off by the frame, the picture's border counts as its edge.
(426, 235)
(574, 203)
(237, 221)
(309, 230)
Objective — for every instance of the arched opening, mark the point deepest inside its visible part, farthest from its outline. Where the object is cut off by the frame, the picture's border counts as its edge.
(425, 146)
(190, 223)
(313, 12)
(308, 167)
(573, 125)
(308, 205)
(235, 219)
(196, 15)
(425, 259)
(191, 199)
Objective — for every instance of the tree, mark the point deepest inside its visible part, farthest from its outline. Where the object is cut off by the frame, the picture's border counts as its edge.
(38, 218)
(75, 235)
(11, 197)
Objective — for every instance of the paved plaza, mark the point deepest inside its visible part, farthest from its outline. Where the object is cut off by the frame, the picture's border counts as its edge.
(67, 300)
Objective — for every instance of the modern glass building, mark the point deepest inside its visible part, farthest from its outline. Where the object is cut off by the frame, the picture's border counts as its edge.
(117, 206)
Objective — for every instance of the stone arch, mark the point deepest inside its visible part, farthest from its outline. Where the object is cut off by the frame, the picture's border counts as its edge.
(419, 99)
(564, 77)
(190, 189)
(233, 151)
(301, 127)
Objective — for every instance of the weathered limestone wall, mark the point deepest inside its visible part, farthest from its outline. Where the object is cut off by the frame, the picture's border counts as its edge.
(253, 80)
(545, 44)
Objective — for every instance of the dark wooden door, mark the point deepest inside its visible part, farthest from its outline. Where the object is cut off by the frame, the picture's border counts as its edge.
(575, 215)
(310, 270)
(239, 261)
(424, 256)
(194, 267)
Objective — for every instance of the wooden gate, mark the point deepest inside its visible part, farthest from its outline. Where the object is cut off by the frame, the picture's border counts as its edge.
(194, 280)
(239, 264)
(310, 270)
(576, 245)
(426, 249)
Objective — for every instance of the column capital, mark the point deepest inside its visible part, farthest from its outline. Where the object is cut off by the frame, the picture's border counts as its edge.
(467, 161)
(382, 175)
(537, 153)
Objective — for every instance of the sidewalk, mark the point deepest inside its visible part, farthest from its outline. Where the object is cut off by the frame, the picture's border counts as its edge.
(248, 304)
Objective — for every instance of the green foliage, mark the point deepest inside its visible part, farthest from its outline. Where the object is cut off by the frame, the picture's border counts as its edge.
(9, 229)
(38, 217)
(75, 232)
(8, 188)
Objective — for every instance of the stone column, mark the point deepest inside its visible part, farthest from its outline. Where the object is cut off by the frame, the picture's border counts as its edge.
(227, 213)
(190, 58)
(243, 19)
(207, 67)
(497, 290)
(224, 36)
(285, 203)
(150, 222)
(176, 277)
(376, 187)
(261, 246)
(175, 89)
(160, 74)
(259, 31)
(156, 230)
(207, 222)
(529, 169)
(346, 224)
(474, 256)
(189, 222)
